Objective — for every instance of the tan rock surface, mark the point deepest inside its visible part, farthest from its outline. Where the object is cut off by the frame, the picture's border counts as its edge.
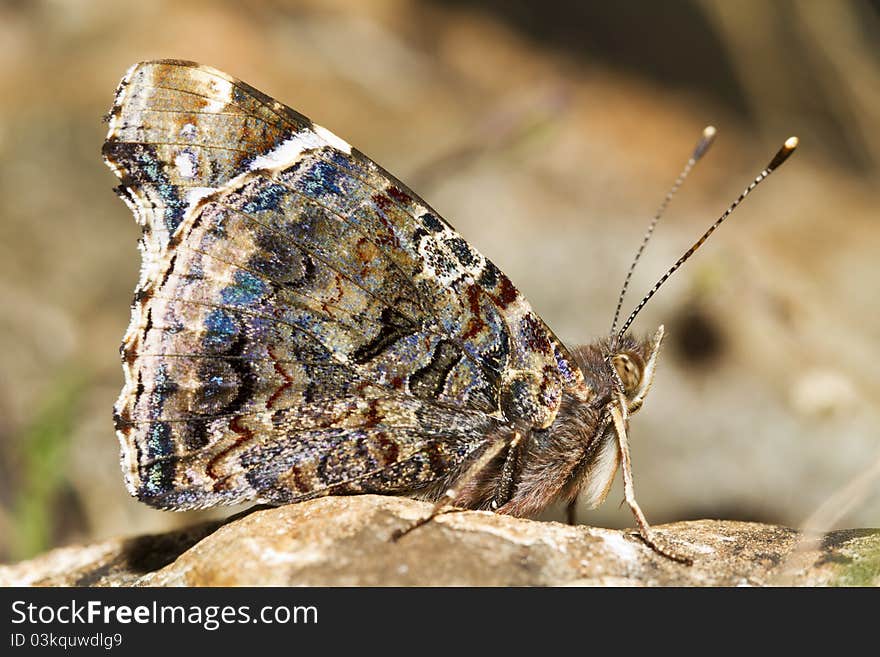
(345, 541)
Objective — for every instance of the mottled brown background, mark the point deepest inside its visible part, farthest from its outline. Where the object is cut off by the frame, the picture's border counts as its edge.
(546, 132)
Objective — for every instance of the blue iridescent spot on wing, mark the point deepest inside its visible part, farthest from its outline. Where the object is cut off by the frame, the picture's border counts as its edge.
(213, 386)
(267, 198)
(158, 479)
(163, 386)
(152, 171)
(341, 160)
(221, 329)
(562, 364)
(245, 290)
(322, 178)
(159, 440)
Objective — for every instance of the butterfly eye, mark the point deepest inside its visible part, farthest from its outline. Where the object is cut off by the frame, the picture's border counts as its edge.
(629, 367)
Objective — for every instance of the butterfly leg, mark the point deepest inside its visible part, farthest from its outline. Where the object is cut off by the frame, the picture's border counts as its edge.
(629, 492)
(571, 512)
(509, 472)
(491, 452)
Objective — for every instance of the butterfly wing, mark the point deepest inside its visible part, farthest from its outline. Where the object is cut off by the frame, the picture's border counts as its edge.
(304, 324)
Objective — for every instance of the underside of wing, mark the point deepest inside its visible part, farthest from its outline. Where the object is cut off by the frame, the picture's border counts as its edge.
(304, 324)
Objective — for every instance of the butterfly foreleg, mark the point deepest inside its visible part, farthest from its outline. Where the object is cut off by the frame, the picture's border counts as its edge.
(571, 512)
(618, 415)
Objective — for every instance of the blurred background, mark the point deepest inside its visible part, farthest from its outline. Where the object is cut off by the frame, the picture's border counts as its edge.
(547, 132)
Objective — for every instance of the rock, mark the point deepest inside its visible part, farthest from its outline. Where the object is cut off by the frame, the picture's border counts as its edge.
(346, 541)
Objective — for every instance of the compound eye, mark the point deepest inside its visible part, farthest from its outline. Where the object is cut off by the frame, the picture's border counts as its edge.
(629, 368)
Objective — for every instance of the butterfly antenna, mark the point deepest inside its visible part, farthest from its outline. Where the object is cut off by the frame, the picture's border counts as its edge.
(781, 156)
(706, 140)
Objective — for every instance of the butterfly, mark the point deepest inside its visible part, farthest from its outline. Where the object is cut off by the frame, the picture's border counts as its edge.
(306, 325)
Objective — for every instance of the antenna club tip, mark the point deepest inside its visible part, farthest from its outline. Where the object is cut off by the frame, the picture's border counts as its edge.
(706, 140)
(787, 149)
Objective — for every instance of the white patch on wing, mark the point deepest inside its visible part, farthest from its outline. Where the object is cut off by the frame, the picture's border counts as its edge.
(288, 151)
(222, 90)
(332, 139)
(186, 164)
(188, 131)
(196, 194)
